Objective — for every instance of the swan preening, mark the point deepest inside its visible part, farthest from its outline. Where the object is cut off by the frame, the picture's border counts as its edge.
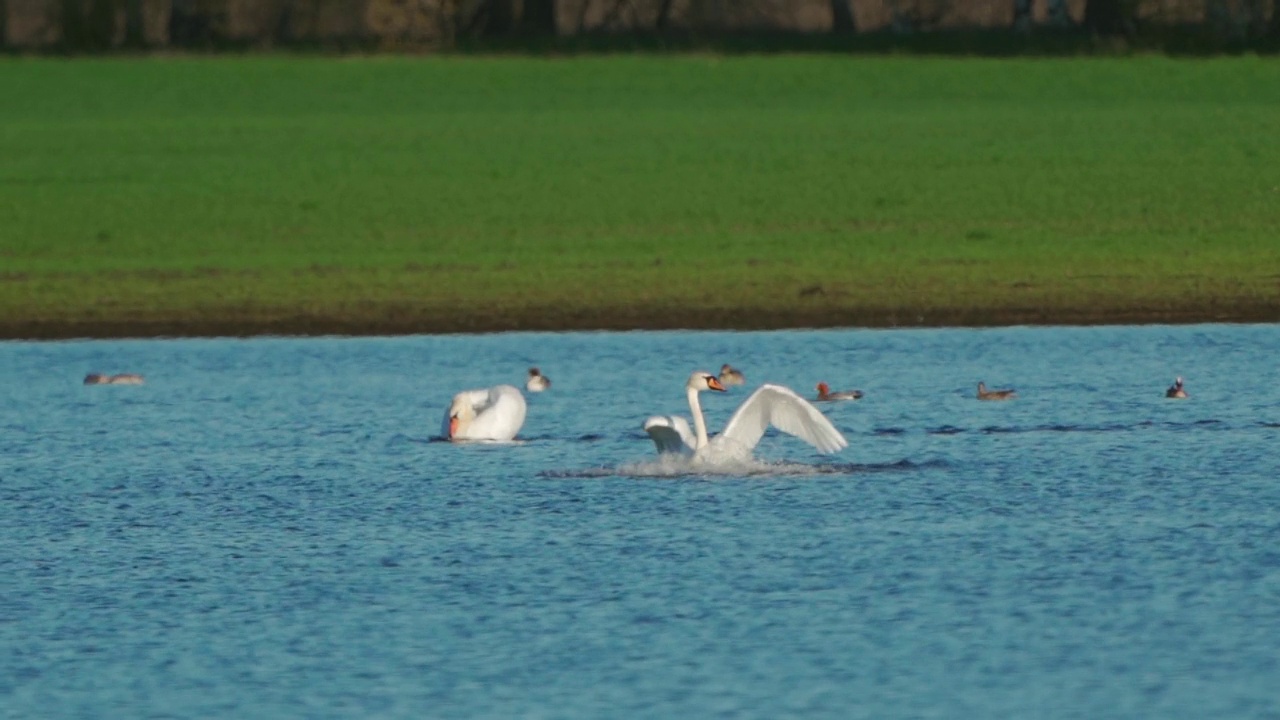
(537, 382)
(825, 394)
(985, 394)
(768, 405)
(121, 379)
(1175, 390)
(494, 413)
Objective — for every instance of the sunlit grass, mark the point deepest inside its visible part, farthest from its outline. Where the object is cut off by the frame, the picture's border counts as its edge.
(391, 194)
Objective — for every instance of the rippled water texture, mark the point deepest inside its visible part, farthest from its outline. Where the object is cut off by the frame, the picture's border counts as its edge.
(266, 529)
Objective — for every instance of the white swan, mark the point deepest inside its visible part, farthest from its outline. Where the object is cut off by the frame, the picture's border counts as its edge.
(768, 405)
(494, 413)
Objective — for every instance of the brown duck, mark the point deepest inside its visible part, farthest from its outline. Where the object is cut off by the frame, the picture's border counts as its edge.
(985, 394)
(825, 394)
(121, 379)
(730, 375)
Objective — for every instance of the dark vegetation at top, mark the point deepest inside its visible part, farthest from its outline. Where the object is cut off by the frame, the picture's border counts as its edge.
(962, 27)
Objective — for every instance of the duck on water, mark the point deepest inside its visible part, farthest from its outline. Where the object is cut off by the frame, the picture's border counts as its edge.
(121, 379)
(985, 394)
(825, 394)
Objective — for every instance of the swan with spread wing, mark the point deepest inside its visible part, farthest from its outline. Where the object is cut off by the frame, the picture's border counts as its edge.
(769, 405)
(494, 413)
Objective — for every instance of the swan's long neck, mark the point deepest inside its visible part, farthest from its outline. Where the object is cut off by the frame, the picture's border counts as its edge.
(699, 424)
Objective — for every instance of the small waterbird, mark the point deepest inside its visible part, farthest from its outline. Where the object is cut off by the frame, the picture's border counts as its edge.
(1175, 390)
(825, 394)
(731, 376)
(537, 382)
(985, 394)
(121, 379)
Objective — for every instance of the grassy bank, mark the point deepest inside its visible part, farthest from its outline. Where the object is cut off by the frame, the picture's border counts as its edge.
(247, 195)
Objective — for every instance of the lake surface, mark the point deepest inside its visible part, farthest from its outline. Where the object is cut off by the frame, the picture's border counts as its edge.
(266, 529)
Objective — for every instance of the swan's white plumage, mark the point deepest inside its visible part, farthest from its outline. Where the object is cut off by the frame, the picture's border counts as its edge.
(495, 413)
(769, 405)
(780, 407)
(671, 434)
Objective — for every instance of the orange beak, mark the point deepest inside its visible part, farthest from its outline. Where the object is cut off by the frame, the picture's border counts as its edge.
(453, 426)
(714, 384)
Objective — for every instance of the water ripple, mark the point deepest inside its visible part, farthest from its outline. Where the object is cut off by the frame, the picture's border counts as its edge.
(232, 539)
(678, 467)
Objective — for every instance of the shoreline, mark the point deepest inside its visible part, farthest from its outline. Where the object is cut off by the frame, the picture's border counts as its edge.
(649, 319)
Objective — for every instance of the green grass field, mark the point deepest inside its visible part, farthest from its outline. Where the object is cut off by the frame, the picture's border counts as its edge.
(393, 194)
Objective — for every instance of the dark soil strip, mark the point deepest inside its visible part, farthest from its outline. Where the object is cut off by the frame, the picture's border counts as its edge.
(398, 322)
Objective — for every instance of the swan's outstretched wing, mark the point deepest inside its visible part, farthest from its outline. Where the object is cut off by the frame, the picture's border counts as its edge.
(780, 407)
(670, 433)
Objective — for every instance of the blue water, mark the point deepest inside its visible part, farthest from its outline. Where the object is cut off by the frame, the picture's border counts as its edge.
(266, 529)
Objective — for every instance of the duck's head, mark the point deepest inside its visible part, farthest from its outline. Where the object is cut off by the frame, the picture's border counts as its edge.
(533, 372)
(701, 380)
(823, 388)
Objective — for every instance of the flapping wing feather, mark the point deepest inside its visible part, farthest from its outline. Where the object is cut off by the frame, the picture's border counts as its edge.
(670, 433)
(780, 407)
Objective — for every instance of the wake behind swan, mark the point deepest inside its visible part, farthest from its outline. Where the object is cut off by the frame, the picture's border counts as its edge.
(675, 466)
(670, 465)
(680, 466)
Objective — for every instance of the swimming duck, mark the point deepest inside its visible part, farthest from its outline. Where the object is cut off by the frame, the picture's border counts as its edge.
(985, 394)
(731, 376)
(537, 382)
(1175, 390)
(825, 394)
(121, 379)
